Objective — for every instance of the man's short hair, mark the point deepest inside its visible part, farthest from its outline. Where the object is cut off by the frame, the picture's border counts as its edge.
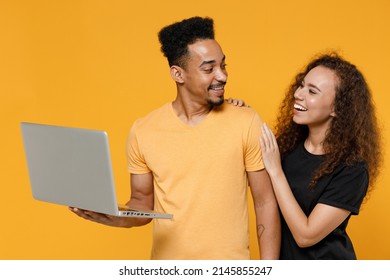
(176, 37)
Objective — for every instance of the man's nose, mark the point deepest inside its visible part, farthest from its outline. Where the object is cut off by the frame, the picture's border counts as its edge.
(221, 75)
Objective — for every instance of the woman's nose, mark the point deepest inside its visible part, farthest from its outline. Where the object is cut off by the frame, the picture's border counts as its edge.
(298, 93)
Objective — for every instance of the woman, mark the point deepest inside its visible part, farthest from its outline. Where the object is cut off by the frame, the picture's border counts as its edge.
(324, 159)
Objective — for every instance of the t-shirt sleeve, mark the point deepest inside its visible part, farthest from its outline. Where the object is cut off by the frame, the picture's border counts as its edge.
(136, 163)
(347, 188)
(253, 158)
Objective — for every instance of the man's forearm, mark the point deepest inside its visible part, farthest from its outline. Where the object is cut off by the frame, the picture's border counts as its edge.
(268, 231)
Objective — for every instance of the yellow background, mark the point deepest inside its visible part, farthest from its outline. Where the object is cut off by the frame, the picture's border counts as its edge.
(97, 64)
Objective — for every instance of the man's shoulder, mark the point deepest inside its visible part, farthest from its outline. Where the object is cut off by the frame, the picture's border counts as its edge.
(237, 112)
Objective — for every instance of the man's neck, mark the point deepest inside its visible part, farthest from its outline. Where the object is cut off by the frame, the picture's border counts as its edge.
(191, 113)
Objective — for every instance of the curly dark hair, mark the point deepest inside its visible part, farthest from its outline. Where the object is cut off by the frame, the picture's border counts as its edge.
(353, 136)
(176, 37)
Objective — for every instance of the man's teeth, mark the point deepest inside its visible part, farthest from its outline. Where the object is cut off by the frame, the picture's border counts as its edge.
(299, 107)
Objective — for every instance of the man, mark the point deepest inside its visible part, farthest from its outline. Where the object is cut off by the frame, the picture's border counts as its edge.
(193, 157)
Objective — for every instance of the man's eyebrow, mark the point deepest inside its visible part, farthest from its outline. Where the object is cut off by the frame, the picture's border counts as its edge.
(207, 62)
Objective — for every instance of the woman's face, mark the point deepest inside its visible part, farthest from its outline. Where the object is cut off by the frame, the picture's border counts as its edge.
(314, 99)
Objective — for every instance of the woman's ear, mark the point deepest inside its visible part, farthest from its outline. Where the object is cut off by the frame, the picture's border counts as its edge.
(333, 113)
(177, 74)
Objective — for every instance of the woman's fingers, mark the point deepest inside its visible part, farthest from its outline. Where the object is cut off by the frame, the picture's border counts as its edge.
(268, 139)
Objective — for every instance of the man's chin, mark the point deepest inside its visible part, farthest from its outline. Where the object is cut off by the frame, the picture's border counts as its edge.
(218, 102)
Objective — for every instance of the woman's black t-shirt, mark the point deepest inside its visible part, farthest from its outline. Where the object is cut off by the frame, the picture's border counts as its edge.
(344, 188)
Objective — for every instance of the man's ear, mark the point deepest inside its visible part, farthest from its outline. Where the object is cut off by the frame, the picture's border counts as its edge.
(177, 74)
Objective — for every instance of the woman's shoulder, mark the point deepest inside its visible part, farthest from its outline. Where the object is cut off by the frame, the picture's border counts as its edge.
(352, 169)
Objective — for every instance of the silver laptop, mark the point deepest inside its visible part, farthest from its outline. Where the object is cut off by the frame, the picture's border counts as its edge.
(72, 167)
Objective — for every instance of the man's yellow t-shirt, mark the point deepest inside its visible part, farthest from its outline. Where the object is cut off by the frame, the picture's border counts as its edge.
(200, 177)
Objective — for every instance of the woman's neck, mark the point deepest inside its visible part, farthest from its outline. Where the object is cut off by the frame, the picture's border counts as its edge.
(314, 147)
(314, 142)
